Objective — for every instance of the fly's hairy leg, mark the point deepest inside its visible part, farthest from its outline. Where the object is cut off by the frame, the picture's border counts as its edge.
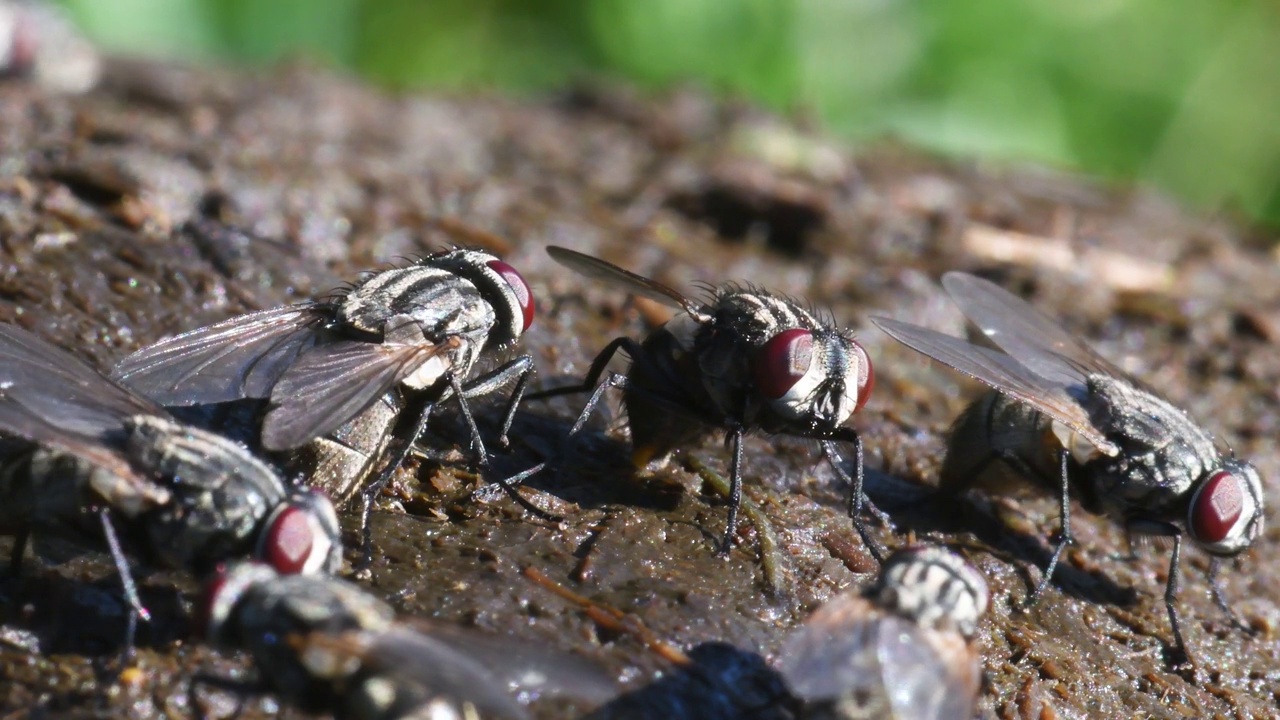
(1064, 537)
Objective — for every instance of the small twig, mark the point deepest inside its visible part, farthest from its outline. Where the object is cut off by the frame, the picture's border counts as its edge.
(771, 561)
(611, 618)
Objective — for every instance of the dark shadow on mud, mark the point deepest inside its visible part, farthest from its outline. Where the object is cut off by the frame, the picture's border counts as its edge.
(590, 469)
(945, 515)
(87, 617)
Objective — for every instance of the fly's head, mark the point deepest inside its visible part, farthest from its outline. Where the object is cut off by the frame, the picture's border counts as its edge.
(499, 284)
(302, 536)
(222, 594)
(1225, 514)
(818, 378)
(934, 587)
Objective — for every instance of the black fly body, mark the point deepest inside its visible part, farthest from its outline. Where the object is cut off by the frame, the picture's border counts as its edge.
(102, 457)
(1063, 416)
(345, 375)
(325, 644)
(746, 360)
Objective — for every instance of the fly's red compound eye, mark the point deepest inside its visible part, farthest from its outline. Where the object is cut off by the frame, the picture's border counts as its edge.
(866, 377)
(288, 541)
(1216, 507)
(519, 286)
(783, 362)
(205, 608)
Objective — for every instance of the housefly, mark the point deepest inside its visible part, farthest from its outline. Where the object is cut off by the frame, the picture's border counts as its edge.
(1063, 416)
(745, 360)
(100, 457)
(38, 41)
(325, 644)
(899, 650)
(345, 375)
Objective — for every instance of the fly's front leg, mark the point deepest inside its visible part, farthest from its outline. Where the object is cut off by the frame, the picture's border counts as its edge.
(735, 491)
(126, 579)
(1171, 596)
(858, 499)
(1215, 588)
(601, 361)
(477, 442)
(509, 485)
(520, 369)
(1159, 528)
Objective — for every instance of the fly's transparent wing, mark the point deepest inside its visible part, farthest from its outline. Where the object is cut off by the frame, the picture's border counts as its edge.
(919, 682)
(852, 653)
(833, 654)
(598, 269)
(123, 486)
(49, 397)
(1025, 333)
(59, 389)
(336, 381)
(20, 421)
(421, 669)
(1001, 372)
(537, 670)
(242, 357)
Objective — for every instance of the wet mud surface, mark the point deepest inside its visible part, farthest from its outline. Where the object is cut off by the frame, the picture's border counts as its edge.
(102, 201)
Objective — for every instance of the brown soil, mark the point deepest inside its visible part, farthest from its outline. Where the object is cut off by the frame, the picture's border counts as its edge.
(327, 177)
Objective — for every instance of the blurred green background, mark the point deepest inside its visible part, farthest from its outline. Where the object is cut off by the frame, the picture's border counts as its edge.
(1179, 94)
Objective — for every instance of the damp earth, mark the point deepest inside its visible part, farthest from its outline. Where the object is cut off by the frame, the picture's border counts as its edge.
(317, 177)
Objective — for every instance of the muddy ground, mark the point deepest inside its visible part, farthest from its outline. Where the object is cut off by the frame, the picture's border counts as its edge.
(325, 177)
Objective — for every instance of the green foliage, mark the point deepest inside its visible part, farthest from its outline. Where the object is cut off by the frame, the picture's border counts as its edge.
(1177, 93)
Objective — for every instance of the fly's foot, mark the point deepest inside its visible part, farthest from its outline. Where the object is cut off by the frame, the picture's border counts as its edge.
(480, 462)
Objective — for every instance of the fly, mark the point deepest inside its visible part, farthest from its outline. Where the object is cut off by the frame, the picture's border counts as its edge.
(345, 375)
(746, 360)
(900, 650)
(327, 645)
(39, 42)
(1062, 415)
(102, 457)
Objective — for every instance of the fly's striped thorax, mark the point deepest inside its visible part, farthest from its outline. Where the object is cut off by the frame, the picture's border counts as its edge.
(439, 301)
(758, 316)
(934, 587)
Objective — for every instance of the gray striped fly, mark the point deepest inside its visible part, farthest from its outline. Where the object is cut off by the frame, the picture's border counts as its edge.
(745, 360)
(347, 376)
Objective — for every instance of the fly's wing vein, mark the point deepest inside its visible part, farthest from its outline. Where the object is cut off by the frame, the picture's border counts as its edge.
(1002, 373)
(333, 383)
(598, 269)
(242, 357)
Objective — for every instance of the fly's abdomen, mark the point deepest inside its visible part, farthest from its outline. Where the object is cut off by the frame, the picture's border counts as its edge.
(340, 464)
(656, 427)
(42, 489)
(15, 514)
(992, 429)
(47, 491)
